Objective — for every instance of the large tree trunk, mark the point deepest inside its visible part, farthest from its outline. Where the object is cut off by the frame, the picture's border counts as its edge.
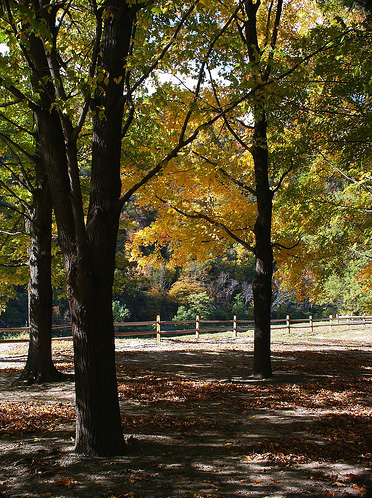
(89, 246)
(98, 422)
(89, 283)
(90, 269)
(90, 289)
(89, 249)
(39, 366)
(89, 254)
(262, 285)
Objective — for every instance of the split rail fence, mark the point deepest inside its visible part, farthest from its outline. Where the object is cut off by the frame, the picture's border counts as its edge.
(160, 328)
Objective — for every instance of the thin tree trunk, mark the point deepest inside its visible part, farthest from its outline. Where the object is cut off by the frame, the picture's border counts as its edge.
(262, 285)
(39, 366)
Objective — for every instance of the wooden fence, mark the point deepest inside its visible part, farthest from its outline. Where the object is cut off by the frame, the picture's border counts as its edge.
(160, 328)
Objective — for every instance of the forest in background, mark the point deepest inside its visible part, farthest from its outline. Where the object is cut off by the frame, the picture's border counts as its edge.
(320, 153)
(217, 288)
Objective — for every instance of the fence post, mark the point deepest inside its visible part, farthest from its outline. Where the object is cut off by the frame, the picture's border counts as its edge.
(311, 323)
(338, 319)
(288, 324)
(330, 322)
(158, 328)
(197, 327)
(235, 327)
(364, 320)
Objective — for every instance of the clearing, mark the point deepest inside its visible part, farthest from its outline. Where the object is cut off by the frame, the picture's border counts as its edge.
(198, 425)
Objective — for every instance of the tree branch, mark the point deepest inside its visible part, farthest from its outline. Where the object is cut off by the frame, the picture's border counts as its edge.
(286, 173)
(129, 99)
(8, 104)
(274, 37)
(364, 255)
(25, 182)
(13, 265)
(280, 246)
(16, 146)
(212, 222)
(325, 46)
(201, 71)
(342, 173)
(268, 24)
(227, 123)
(174, 152)
(237, 182)
(16, 125)
(13, 194)
(18, 94)
(162, 54)
(11, 234)
(96, 48)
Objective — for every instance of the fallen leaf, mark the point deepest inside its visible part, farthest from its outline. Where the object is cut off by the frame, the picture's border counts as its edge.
(361, 489)
(68, 482)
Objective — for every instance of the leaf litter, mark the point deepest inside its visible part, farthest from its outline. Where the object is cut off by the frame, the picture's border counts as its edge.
(199, 425)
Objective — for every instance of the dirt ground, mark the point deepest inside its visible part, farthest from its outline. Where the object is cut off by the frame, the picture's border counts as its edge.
(198, 425)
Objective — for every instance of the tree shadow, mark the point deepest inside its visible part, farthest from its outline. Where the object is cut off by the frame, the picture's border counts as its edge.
(202, 426)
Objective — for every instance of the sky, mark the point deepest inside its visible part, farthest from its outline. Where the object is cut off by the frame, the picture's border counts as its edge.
(3, 48)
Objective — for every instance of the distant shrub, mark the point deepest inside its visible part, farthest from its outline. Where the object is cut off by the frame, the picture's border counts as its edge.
(181, 290)
(120, 312)
(197, 304)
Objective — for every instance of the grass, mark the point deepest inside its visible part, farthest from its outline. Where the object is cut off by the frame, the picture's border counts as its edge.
(299, 332)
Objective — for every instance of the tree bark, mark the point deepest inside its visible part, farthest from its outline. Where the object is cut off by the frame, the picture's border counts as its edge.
(98, 422)
(89, 248)
(90, 282)
(262, 284)
(39, 365)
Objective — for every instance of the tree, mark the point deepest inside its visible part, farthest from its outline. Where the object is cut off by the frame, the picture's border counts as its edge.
(225, 188)
(82, 93)
(39, 365)
(25, 189)
(89, 249)
(262, 290)
(333, 195)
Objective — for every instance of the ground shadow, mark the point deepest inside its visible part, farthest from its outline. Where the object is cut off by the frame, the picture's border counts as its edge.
(201, 426)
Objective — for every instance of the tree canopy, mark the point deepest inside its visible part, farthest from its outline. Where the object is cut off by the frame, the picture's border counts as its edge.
(241, 122)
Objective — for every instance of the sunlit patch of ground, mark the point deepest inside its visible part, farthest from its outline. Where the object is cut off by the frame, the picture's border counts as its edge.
(199, 425)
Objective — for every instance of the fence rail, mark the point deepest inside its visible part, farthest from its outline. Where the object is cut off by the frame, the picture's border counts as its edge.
(160, 328)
